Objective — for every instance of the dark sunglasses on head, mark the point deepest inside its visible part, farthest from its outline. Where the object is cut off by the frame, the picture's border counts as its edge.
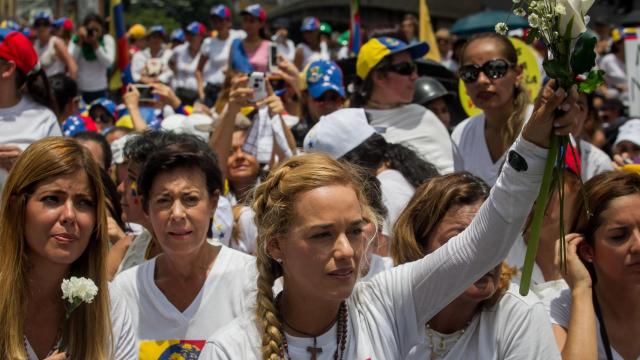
(494, 69)
(403, 68)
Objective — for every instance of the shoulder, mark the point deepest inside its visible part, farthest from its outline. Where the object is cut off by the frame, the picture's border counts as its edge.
(593, 152)
(33, 109)
(127, 281)
(107, 38)
(465, 126)
(238, 340)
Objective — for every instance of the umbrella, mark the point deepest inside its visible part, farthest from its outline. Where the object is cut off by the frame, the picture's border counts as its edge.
(486, 21)
(631, 19)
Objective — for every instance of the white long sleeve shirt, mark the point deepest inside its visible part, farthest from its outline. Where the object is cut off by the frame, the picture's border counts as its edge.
(92, 75)
(386, 315)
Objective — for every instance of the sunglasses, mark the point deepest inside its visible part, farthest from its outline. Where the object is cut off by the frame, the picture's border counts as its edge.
(403, 68)
(494, 69)
(41, 24)
(328, 96)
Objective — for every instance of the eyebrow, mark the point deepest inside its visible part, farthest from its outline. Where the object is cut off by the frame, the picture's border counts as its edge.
(358, 222)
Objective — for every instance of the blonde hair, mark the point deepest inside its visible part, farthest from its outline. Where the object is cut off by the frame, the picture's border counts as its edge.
(426, 209)
(274, 202)
(43, 160)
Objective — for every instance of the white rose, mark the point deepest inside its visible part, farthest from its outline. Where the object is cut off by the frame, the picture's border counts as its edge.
(576, 10)
(82, 289)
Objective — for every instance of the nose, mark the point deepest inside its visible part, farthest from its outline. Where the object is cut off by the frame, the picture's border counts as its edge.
(414, 75)
(68, 213)
(342, 248)
(483, 78)
(177, 211)
(635, 241)
(120, 188)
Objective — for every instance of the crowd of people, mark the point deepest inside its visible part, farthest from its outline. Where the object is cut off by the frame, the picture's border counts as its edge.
(239, 200)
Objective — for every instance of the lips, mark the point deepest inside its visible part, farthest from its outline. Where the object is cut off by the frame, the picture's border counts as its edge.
(180, 234)
(342, 274)
(485, 95)
(65, 238)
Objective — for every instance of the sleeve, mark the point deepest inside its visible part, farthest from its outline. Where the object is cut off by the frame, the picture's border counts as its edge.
(528, 335)
(124, 337)
(206, 47)
(52, 127)
(74, 49)
(413, 293)
(560, 309)
(458, 159)
(106, 54)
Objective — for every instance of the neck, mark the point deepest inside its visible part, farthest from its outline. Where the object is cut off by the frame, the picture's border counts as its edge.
(307, 316)
(223, 34)
(253, 38)
(155, 51)
(10, 95)
(44, 280)
(194, 48)
(455, 316)
(496, 118)
(44, 38)
(619, 301)
(379, 101)
(242, 189)
(187, 266)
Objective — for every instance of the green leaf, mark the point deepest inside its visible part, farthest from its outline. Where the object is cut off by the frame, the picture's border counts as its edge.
(583, 57)
(558, 70)
(533, 35)
(594, 79)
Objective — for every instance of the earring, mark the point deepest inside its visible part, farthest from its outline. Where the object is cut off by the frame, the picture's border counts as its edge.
(278, 260)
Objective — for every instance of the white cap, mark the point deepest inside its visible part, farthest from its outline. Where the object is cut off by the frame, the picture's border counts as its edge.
(195, 124)
(117, 148)
(339, 132)
(629, 131)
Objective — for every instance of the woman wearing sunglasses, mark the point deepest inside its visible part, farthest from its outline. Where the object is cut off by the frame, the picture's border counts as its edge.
(384, 86)
(489, 70)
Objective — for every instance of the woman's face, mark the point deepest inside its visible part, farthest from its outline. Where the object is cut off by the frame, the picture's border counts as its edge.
(322, 250)
(180, 210)
(456, 219)
(327, 103)
(130, 200)
(616, 251)
(408, 29)
(490, 94)
(582, 115)
(397, 88)
(241, 167)
(96, 26)
(60, 218)
(251, 25)
(440, 108)
(96, 151)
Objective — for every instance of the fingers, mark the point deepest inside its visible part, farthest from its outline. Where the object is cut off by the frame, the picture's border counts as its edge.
(239, 80)
(565, 123)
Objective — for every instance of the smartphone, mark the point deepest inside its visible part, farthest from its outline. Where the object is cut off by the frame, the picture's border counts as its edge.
(91, 32)
(273, 57)
(257, 81)
(146, 92)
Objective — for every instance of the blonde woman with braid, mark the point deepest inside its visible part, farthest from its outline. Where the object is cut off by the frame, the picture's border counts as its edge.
(310, 214)
(490, 71)
(53, 225)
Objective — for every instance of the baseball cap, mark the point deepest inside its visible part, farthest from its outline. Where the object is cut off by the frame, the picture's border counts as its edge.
(196, 28)
(377, 49)
(177, 35)
(42, 15)
(221, 11)
(64, 23)
(322, 76)
(16, 47)
(310, 23)
(629, 131)
(157, 29)
(10, 24)
(107, 104)
(326, 28)
(137, 31)
(339, 132)
(256, 11)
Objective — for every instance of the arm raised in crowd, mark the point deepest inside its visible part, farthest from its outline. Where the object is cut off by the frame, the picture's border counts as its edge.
(131, 101)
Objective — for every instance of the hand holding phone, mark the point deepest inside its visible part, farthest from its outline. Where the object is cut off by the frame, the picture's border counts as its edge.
(257, 82)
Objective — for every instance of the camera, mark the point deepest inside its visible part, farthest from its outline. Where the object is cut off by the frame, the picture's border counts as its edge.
(91, 32)
(273, 57)
(257, 83)
(146, 92)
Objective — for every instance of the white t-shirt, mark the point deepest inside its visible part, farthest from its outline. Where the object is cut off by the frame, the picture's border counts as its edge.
(47, 56)
(309, 55)
(286, 48)
(248, 232)
(186, 66)
(418, 129)
(123, 333)
(561, 313)
(92, 74)
(137, 251)
(386, 315)
(594, 160)
(615, 70)
(470, 151)
(396, 193)
(517, 327)
(140, 59)
(217, 51)
(516, 259)
(377, 264)
(162, 330)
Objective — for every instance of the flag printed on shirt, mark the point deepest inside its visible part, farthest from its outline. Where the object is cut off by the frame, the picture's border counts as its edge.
(170, 349)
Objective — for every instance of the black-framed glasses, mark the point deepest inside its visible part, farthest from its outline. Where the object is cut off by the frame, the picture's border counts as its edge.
(494, 69)
(403, 68)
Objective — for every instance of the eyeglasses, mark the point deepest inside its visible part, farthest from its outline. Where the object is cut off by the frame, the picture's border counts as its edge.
(403, 68)
(494, 69)
(328, 96)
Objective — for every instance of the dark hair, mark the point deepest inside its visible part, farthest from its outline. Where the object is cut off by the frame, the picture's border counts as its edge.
(37, 87)
(94, 17)
(414, 22)
(363, 88)
(373, 193)
(375, 151)
(183, 155)
(139, 148)
(107, 156)
(64, 90)
(111, 194)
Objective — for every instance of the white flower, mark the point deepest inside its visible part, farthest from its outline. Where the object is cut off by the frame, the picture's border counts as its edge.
(78, 290)
(519, 12)
(516, 1)
(576, 10)
(534, 20)
(501, 28)
(560, 9)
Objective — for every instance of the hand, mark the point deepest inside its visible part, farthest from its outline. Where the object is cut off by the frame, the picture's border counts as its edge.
(8, 156)
(56, 356)
(543, 121)
(82, 33)
(577, 274)
(131, 98)
(620, 160)
(289, 73)
(276, 107)
(240, 95)
(115, 233)
(166, 94)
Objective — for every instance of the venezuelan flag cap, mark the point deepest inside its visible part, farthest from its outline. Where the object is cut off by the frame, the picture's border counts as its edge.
(377, 49)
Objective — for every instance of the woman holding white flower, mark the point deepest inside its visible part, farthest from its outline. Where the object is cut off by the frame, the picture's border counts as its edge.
(53, 226)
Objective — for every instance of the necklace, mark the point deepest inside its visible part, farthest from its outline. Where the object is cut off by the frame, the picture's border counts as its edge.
(440, 348)
(315, 350)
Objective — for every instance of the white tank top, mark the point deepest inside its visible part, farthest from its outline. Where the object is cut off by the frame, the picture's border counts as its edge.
(309, 55)
(50, 62)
